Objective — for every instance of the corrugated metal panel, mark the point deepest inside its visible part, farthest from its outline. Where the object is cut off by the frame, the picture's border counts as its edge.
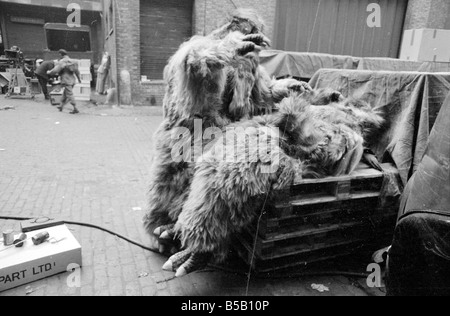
(339, 27)
(165, 24)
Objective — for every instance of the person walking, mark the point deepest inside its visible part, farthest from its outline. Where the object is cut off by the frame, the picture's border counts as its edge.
(102, 73)
(41, 73)
(67, 69)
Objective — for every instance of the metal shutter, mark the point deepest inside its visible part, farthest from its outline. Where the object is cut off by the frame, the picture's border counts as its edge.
(165, 24)
(339, 27)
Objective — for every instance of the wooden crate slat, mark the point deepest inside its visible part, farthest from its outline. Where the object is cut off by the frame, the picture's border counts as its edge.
(331, 199)
(320, 219)
(266, 249)
(276, 227)
(361, 184)
(277, 213)
(295, 260)
(284, 248)
(320, 254)
(312, 231)
(362, 172)
(339, 206)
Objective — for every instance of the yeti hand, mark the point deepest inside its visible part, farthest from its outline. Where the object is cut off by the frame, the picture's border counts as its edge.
(258, 39)
(186, 262)
(300, 87)
(252, 43)
(283, 88)
(167, 240)
(372, 160)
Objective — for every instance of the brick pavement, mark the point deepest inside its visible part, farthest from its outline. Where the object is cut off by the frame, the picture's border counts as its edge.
(94, 168)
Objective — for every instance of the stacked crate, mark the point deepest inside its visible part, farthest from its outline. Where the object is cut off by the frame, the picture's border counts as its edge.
(321, 219)
(82, 91)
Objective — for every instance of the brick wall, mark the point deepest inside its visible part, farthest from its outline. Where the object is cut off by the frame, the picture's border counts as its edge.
(152, 93)
(128, 55)
(210, 14)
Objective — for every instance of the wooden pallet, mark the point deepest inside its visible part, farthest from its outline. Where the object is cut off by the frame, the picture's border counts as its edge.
(318, 220)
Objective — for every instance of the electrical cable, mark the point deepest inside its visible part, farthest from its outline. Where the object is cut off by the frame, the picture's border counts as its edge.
(249, 276)
(223, 269)
(89, 226)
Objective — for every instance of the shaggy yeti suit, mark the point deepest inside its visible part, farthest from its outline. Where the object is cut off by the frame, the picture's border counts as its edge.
(356, 114)
(216, 80)
(226, 196)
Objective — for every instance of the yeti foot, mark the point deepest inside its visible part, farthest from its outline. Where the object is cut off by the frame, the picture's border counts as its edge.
(158, 231)
(168, 243)
(186, 262)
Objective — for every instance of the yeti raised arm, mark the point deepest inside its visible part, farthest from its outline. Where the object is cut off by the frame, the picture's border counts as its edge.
(201, 72)
(231, 50)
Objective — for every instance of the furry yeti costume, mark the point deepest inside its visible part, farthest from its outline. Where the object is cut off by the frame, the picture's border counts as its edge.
(226, 196)
(216, 79)
(356, 114)
(350, 114)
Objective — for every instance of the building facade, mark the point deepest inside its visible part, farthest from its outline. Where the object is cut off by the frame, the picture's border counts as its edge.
(143, 34)
(38, 28)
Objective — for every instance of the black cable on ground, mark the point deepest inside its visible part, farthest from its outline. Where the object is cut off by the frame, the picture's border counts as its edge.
(89, 226)
(112, 233)
(238, 272)
(12, 218)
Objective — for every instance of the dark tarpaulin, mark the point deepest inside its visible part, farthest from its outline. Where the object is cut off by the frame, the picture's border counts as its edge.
(281, 64)
(391, 64)
(302, 65)
(429, 188)
(419, 260)
(411, 102)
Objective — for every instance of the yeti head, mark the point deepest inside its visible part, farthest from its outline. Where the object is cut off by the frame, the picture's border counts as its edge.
(297, 129)
(246, 21)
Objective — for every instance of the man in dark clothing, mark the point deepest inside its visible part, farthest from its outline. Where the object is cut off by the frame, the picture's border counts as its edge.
(67, 69)
(43, 77)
